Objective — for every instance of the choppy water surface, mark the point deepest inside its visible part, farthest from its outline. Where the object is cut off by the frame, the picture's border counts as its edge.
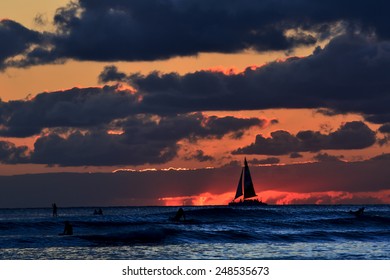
(268, 232)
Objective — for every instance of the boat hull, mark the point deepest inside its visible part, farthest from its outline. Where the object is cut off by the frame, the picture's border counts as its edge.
(248, 202)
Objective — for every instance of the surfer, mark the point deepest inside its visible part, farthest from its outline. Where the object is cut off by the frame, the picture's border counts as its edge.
(54, 207)
(358, 212)
(68, 229)
(98, 212)
(179, 215)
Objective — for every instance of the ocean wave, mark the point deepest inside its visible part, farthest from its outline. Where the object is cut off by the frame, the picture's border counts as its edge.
(150, 236)
(203, 225)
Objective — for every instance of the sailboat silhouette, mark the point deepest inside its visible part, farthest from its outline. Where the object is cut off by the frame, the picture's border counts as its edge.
(248, 191)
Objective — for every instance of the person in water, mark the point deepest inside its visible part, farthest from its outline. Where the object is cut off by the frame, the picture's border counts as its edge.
(54, 207)
(98, 212)
(68, 229)
(179, 215)
(358, 212)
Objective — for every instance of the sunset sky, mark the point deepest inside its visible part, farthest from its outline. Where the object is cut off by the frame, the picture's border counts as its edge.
(122, 102)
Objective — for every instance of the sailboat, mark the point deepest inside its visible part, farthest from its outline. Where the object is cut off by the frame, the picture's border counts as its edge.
(248, 191)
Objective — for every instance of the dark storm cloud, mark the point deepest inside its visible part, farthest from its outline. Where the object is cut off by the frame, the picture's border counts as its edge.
(325, 157)
(111, 73)
(15, 39)
(385, 128)
(351, 135)
(131, 30)
(350, 75)
(105, 126)
(119, 30)
(270, 160)
(200, 156)
(295, 155)
(188, 126)
(91, 107)
(11, 154)
(150, 30)
(75, 107)
(99, 148)
(143, 139)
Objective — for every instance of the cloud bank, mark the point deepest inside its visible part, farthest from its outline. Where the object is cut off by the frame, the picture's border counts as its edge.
(131, 30)
(349, 75)
(134, 140)
(351, 135)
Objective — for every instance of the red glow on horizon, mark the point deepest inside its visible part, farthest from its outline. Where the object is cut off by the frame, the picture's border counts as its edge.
(284, 198)
(198, 200)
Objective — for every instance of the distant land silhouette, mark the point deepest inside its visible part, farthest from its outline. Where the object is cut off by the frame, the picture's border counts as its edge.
(145, 188)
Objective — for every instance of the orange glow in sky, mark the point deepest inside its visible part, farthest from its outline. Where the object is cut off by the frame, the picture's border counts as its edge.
(280, 198)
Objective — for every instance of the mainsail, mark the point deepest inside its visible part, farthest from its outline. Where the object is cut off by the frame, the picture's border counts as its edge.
(249, 190)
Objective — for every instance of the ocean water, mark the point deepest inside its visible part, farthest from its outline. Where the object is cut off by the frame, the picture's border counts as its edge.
(213, 232)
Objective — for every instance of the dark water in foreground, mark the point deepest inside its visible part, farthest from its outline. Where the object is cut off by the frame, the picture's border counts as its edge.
(268, 232)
